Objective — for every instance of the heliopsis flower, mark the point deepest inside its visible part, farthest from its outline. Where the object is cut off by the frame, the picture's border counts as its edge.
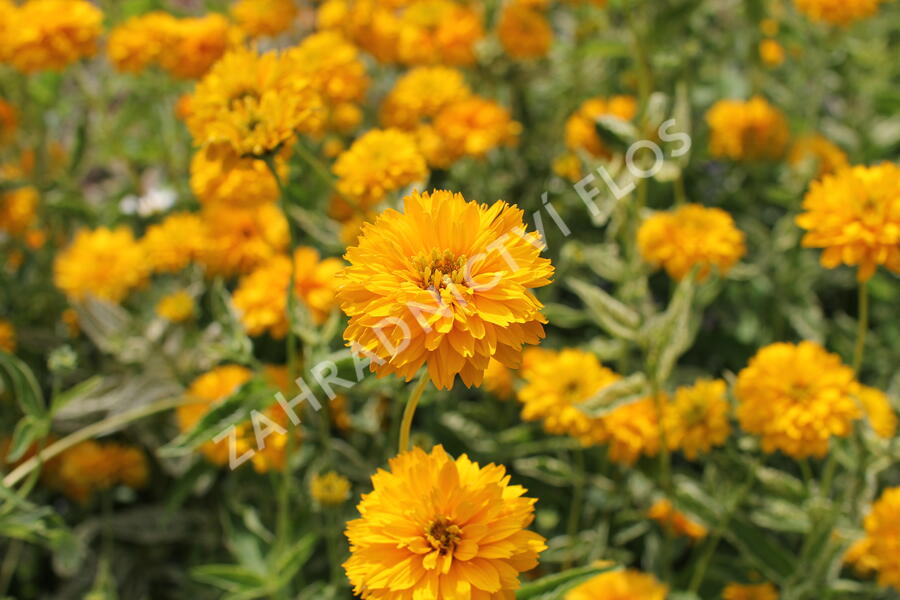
(697, 418)
(438, 32)
(103, 263)
(343, 117)
(752, 130)
(7, 336)
(330, 489)
(620, 585)
(446, 283)
(18, 209)
(633, 430)
(140, 41)
(264, 17)
(52, 34)
(472, 127)
(242, 182)
(261, 296)
(241, 239)
(581, 126)
(193, 45)
(771, 52)
(89, 467)
(882, 526)
(9, 119)
(8, 12)
(879, 411)
(498, 380)
(760, 591)
(796, 397)
(176, 307)
(253, 103)
(860, 556)
(555, 385)
(379, 162)
(854, 215)
(692, 235)
(420, 94)
(826, 155)
(373, 25)
(174, 243)
(664, 513)
(332, 65)
(437, 527)
(524, 31)
(568, 166)
(837, 12)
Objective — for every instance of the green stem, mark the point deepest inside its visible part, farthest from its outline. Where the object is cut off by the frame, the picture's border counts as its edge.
(862, 327)
(409, 411)
(576, 507)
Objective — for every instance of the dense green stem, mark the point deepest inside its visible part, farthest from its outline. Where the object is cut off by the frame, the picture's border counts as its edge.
(410, 411)
(862, 327)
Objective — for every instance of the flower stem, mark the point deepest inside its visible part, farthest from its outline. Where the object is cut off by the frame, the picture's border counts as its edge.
(409, 411)
(862, 327)
(576, 507)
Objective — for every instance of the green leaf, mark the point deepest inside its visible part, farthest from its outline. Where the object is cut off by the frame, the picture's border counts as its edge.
(230, 577)
(28, 430)
(766, 553)
(624, 391)
(669, 335)
(78, 391)
(24, 386)
(555, 585)
(610, 314)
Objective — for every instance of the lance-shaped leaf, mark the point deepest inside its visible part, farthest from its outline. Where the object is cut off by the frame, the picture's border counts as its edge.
(610, 314)
(23, 385)
(624, 391)
(555, 586)
(669, 335)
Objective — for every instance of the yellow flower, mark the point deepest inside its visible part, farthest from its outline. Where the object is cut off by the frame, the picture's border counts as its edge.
(883, 536)
(860, 556)
(581, 130)
(498, 380)
(140, 41)
(762, 591)
(174, 243)
(344, 117)
(438, 32)
(371, 24)
(620, 585)
(332, 65)
(447, 283)
(264, 17)
(330, 489)
(7, 336)
(176, 307)
(242, 182)
(420, 94)
(379, 162)
(89, 467)
(253, 103)
(751, 130)
(796, 396)
(52, 34)
(556, 384)
(524, 30)
(837, 12)
(193, 45)
(241, 239)
(697, 419)
(667, 515)
(473, 127)
(826, 155)
(633, 430)
(771, 52)
(9, 117)
(18, 209)
(103, 263)
(434, 527)
(878, 409)
(568, 166)
(260, 297)
(690, 236)
(8, 15)
(854, 215)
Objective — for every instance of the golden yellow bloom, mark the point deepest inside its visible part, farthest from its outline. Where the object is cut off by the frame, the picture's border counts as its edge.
(253, 103)
(420, 94)
(8, 13)
(140, 41)
(854, 215)
(438, 32)
(9, 117)
(633, 430)
(18, 210)
(692, 235)
(827, 156)
(568, 166)
(242, 182)
(473, 127)
(330, 489)
(52, 34)
(882, 551)
(434, 527)
(193, 45)
(176, 307)
(762, 591)
(498, 380)
(345, 118)
(264, 17)
(524, 30)
(371, 24)
(103, 263)
(241, 239)
(7, 336)
(379, 162)
(556, 383)
(878, 409)
(446, 283)
(620, 585)
(581, 130)
(174, 243)
(332, 65)
(796, 397)
(752, 130)
(664, 513)
(89, 467)
(771, 52)
(860, 556)
(260, 297)
(697, 418)
(837, 12)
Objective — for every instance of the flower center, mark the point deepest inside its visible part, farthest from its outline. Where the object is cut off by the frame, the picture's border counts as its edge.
(438, 270)
(443, 535)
